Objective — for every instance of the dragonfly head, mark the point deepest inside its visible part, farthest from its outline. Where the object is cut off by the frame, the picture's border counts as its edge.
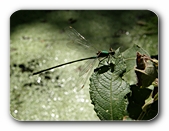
(98, 53)
(111, 51)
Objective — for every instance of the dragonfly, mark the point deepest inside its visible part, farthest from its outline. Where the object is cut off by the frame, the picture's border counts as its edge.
(77, 38)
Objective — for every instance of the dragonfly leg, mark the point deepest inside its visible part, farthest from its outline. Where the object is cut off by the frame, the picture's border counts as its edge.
(100, 60)
(108, 59)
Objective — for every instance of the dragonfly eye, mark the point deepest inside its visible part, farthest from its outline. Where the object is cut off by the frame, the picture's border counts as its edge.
(111, 50)
(98, 53)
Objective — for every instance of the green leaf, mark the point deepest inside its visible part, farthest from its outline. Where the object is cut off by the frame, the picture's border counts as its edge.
(153, 97)
(108, 90)
(148, 102)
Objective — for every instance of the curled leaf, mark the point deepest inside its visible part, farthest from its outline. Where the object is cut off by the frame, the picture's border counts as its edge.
(145, 70)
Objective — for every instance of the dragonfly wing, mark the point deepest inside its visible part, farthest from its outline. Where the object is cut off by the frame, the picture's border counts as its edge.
(85, 74)
(76, 39)
(87, 66)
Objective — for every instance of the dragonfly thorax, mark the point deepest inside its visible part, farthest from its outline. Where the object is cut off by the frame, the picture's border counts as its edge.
(105, 53)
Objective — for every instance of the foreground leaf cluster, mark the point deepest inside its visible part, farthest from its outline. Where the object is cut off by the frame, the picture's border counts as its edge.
(125, 86)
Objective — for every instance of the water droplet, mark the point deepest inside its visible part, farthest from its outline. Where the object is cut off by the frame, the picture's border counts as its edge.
(39, 79)
(87, 101)
(65, 60)
(56, 58)
(43, 106)
(15, 87)
(59, 98)
(52, 114)
(44, 61)
(52, 70)
(127, 33)
(81, 109)
(63, 80)
(57, 116)
(15, 111)
(54, 98)
(66, 93)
